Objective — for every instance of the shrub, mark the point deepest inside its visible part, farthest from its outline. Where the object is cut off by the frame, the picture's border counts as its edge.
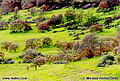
(100, 64)
(109, 62)
(118, 28)
(5, 7)
(27, 58)
(27, 5)
(118, 59)
(33, 43)
(9, 59)
(3, 24)
(57, 19)
(107, 57)
(68, 45)
(42, 26)
(19, 25)
(108, 20)
(13, 47)
(96, 27)
(60, 44)
(44, 7)
(70, 15)
(39, 61)
(31, 52)
(79, 18)
(47, 41)
(76, 46)
(5, 45)
(33, 11)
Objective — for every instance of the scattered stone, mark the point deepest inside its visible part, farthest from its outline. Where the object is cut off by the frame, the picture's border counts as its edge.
(42, 32)
(76, 35)
(12, 61)
(28, 17)
(54, 31)
(70, 34)
(19, 62)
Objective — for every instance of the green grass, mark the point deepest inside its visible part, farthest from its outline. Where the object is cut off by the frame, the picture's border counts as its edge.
(49, 72)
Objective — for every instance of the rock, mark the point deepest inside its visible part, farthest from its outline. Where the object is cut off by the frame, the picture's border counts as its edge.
(84, 28)
(25, 21)
(12, 61)
(42, 32)
(64, 62)
(19, 62)
(108, 27)
(86, 6)
(54, 31)
(70, 34)
(28, 17)
(105, 10)
(68, 30)
(76, 35)
(34, 20)
(49, 30)
(5, 62)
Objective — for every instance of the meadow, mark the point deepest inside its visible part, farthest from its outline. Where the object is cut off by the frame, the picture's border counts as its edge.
(74, 71)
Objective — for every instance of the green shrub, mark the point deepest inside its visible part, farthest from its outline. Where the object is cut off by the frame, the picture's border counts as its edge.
(3, 24)
(70, 15)
(5, 45)
(13, 47)
(47, 41)
(33, 43)
(19, 25)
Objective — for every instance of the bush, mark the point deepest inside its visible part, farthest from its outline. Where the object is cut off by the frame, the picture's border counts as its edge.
(5, 7)
(19, 25)
(68, 45)
(33, 11)
(47, 41)
(107, 57)
(33, 43)
(75, 46)
(100, 64)
(13, 47)
(96, 27)
(118, 59)
(5, 45)
(3, 24)
(70, 15)
(60, 44)
(31, 52)
(27, 59)
(109, 62)
(42, 26)
(57, 19)
(39, 61)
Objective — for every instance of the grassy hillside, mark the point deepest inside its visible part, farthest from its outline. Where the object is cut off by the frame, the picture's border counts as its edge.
(74, 71)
